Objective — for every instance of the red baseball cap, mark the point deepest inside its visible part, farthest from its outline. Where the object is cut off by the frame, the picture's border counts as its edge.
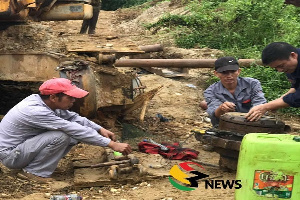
(58, 85)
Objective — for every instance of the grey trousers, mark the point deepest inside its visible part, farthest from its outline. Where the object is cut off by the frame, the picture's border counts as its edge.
(40, 155)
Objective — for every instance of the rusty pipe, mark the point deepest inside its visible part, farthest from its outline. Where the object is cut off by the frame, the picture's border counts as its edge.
(151, 48)
(178, 63)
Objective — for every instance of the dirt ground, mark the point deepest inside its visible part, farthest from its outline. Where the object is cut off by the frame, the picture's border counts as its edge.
(177, 101)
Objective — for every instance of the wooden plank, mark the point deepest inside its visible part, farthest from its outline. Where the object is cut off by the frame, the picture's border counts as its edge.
(97, 177)
(102, 45)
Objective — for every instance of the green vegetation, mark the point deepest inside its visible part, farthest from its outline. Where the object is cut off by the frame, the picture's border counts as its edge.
(270, 79)
(240, 28)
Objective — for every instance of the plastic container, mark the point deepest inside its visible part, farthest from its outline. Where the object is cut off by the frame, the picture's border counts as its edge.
(269, 167)
(66, 197)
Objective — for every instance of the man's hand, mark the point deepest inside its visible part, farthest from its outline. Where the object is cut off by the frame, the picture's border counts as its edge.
(224, 108)
(123, 148)
(203, 105)
(256, 113)
(106, 133)
(227, 107)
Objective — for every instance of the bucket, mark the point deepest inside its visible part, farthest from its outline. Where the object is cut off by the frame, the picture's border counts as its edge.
(269, 167)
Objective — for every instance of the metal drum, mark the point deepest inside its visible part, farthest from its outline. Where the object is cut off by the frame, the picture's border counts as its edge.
(236, 122)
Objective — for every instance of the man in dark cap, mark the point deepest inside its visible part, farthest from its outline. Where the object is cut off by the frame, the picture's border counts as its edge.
(37, 132)
(232, 93)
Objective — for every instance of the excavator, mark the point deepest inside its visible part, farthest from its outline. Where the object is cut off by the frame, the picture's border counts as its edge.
(45, 10)
(30, 53)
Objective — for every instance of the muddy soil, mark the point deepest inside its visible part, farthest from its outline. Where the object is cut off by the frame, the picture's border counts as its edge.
(177, 101)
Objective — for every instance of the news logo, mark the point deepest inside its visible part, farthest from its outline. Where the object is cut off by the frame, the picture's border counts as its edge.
(181, 180)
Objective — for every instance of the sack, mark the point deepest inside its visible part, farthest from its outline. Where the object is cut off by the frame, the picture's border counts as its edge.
(175, 152)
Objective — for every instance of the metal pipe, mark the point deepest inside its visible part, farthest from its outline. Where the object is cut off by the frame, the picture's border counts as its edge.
(178, 63)
(151, 48)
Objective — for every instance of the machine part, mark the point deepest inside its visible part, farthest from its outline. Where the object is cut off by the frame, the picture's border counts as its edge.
(139, 100)
(225, 143)
(106, 59)
(178, 63)
(71, 11)
(27, 67)
(113, 172)
(226, 140)
(29, 70)
(137, 87)
(236, 121)
(131, 160)
(124, 165)
(125, 170)
(48, 10)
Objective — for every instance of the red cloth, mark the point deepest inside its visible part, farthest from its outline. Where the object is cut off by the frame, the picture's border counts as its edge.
(175, 152)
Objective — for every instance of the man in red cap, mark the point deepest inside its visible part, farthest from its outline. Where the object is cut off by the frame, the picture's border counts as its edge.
(37, 132)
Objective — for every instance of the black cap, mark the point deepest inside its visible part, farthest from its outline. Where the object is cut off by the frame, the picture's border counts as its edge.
(226, 63)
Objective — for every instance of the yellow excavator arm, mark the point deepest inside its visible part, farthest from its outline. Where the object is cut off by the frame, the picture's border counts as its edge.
(45, 10)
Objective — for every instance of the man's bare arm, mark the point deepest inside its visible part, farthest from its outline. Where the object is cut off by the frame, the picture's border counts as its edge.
(258, 111)
(291, 90)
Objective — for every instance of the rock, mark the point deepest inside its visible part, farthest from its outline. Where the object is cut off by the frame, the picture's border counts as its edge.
(113, 190)
(4, 195)
(47, 195)
(207, 119)
(143, 184)
(208, 147)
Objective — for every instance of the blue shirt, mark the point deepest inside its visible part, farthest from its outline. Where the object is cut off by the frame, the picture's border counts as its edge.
(248, 93)
(293, 99)
(32, 116)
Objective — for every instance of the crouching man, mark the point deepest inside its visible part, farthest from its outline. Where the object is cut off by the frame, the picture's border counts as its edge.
(37, 132)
